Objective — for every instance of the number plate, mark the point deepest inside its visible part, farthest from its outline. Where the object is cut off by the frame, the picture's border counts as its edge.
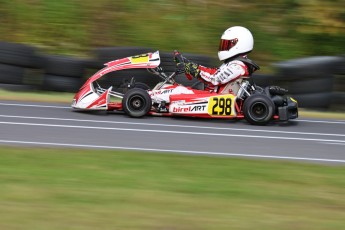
(222, 105)
(143, 58)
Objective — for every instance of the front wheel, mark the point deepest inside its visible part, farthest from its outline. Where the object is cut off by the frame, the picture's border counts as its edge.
(136, 102)
(258, 109)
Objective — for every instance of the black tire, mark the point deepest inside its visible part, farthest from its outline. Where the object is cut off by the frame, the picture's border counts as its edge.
(10, 74)
(61, 83)
(318, 66)
(311, 85)
(338, 99)
(141, 85)
(136, 102)
(64, 66)
(19, 55)
(258, 109)
(340, 68)
(314, 100)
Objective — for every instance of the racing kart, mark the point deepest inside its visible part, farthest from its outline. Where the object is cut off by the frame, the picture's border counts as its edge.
(240, 99)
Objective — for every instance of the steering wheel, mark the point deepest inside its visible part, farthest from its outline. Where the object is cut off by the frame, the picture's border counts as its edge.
(180, 65)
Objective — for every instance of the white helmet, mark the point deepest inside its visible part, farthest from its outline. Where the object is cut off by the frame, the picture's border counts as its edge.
(235, 40)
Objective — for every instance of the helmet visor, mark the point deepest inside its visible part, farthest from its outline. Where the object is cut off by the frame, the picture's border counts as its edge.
(227, 44)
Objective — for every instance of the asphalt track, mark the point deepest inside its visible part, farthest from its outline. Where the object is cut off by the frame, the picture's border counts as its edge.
(57, 125)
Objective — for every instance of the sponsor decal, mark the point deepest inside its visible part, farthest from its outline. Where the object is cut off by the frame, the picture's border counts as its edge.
(189, 109)
(163, 91)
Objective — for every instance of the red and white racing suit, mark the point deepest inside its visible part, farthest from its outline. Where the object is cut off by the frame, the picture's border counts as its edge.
(214, 78)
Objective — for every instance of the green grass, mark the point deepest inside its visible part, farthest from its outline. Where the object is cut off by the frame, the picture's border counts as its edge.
(283, 29)
(36, 96)
(43, 188)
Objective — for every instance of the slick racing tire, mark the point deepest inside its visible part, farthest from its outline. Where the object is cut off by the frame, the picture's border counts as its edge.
(140, 85)
(136, 102)
(258, 109)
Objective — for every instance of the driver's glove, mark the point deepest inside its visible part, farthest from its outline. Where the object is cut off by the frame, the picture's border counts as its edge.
(192, 68)
(189, 68)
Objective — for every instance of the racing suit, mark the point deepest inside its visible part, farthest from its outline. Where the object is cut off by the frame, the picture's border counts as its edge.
(214, 78)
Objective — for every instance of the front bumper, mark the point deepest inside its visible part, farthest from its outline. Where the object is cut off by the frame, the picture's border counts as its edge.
(289, 110)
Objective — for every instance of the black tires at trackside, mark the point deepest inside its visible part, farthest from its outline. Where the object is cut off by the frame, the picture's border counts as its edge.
(63, 73)
(64, 66)
(310, 80)
(19, 55)
(61, 83)
(11, 74)
(15, 61)
(313, 81)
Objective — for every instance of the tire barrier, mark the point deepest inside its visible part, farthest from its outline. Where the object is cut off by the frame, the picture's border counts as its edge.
(64, 66)
(340, 67)
(314, 100)
(263, 80)
(61, 83)
(19, 55)
(16, 63)
(310, 85)
(315, 67)
(11, 74)
(316, 82)
(63, 73)
(310, 80)
(338, 99)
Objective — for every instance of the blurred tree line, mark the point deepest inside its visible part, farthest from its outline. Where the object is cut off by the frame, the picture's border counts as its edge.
(282, 29)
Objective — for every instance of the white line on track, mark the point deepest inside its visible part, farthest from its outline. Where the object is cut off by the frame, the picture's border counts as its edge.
(68, 107)
(172, 132)
(170, 125)
(325, 122)
(173, 151)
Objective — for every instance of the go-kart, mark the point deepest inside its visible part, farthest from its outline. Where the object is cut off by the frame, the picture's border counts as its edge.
(239, 99)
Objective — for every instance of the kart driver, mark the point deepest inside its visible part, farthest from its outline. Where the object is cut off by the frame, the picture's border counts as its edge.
(235, 43)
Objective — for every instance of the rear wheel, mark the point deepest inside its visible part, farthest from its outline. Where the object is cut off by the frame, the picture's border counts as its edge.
(258, 109)
(136, 102)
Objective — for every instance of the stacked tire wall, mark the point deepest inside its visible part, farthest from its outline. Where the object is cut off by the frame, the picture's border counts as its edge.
(16, 62)
(316, 82)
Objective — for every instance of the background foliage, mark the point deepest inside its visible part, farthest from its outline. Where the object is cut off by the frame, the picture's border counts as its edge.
(283, 29)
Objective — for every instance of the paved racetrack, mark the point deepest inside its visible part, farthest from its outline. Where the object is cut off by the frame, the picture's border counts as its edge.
(57, 125)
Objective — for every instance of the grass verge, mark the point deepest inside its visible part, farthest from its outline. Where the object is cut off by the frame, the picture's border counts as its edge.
(43, 188)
